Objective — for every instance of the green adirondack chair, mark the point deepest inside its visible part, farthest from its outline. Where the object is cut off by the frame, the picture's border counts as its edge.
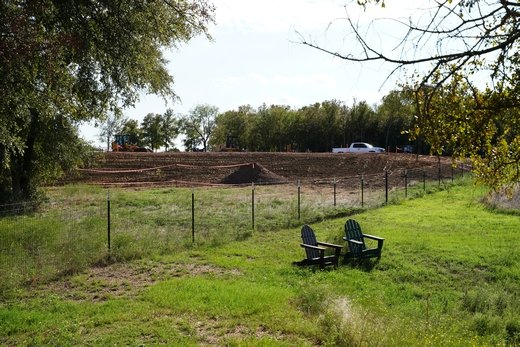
(315, 250)
(356, 242)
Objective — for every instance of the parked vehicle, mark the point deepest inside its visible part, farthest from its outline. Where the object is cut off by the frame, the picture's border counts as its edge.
(231, 145)
(359, 147)
(122, 144)
(407, 149)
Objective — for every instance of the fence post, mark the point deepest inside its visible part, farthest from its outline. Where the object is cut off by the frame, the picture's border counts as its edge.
(452, 174)
(439, 169)
(362, 191)
(386, 187)
(253, 205)
(334, 191)
(192, 215)
(405, 183)
(299, 211)
(108, 222)
(424, 180)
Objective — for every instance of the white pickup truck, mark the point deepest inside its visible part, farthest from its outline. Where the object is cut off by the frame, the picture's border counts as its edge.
(359, 147)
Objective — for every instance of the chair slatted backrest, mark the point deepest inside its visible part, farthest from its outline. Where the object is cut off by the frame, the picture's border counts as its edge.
(309, 238)
(353, 232)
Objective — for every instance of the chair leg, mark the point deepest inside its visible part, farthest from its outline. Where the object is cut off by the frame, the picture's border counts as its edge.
(336, 257)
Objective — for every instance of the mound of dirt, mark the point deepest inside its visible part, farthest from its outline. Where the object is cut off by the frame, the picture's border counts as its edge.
(252, 173)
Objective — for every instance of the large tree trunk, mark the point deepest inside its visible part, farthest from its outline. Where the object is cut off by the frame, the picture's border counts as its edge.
(22, 169)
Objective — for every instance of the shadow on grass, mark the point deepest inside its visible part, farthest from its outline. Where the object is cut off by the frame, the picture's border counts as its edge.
(363, 264)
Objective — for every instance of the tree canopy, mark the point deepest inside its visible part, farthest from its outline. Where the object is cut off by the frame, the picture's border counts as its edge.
(62, 62)
(198, 125)
(317, 127)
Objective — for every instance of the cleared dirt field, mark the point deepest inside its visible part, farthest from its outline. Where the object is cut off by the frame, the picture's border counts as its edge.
(214, 168)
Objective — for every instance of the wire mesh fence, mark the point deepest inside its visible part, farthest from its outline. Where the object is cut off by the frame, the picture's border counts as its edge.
(78, 228)
(40, 245)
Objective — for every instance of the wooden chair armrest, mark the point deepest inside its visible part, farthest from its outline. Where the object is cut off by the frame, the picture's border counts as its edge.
(331, 245)
(373, 237)
(313, 247)
(355, 242)
(379, 240)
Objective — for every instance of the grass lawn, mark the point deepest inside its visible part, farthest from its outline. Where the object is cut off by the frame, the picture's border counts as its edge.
(449, 276)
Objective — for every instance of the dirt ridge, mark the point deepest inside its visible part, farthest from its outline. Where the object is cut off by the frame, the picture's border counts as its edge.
(214, 168)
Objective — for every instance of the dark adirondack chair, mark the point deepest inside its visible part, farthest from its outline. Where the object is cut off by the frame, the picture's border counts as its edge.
(315, 250)
(356, 242)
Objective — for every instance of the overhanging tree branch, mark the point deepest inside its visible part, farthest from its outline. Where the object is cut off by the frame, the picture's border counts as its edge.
(491, 29)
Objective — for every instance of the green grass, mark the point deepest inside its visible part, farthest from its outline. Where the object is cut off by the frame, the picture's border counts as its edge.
(449, 276)
(70, 233)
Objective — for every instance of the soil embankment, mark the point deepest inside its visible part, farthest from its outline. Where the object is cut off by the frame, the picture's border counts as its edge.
(215, 168)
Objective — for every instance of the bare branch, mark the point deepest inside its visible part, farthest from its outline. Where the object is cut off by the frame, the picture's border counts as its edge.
(484, 30)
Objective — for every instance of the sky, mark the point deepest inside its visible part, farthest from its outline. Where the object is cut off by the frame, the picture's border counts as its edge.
(255, 57)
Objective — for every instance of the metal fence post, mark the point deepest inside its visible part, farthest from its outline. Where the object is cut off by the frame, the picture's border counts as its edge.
(192, 215)
(299, 200)
(334, 191)
(405, 183)
(386, 186)
(362, 191)
(439, 169)
(253, 205)
(108, 222)
(424, 180)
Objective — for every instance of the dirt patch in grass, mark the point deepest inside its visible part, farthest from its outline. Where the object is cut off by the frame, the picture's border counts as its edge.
(125, 280)
(212, 332)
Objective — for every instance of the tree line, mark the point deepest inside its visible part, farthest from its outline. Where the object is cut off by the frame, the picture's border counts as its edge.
(318, 127)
